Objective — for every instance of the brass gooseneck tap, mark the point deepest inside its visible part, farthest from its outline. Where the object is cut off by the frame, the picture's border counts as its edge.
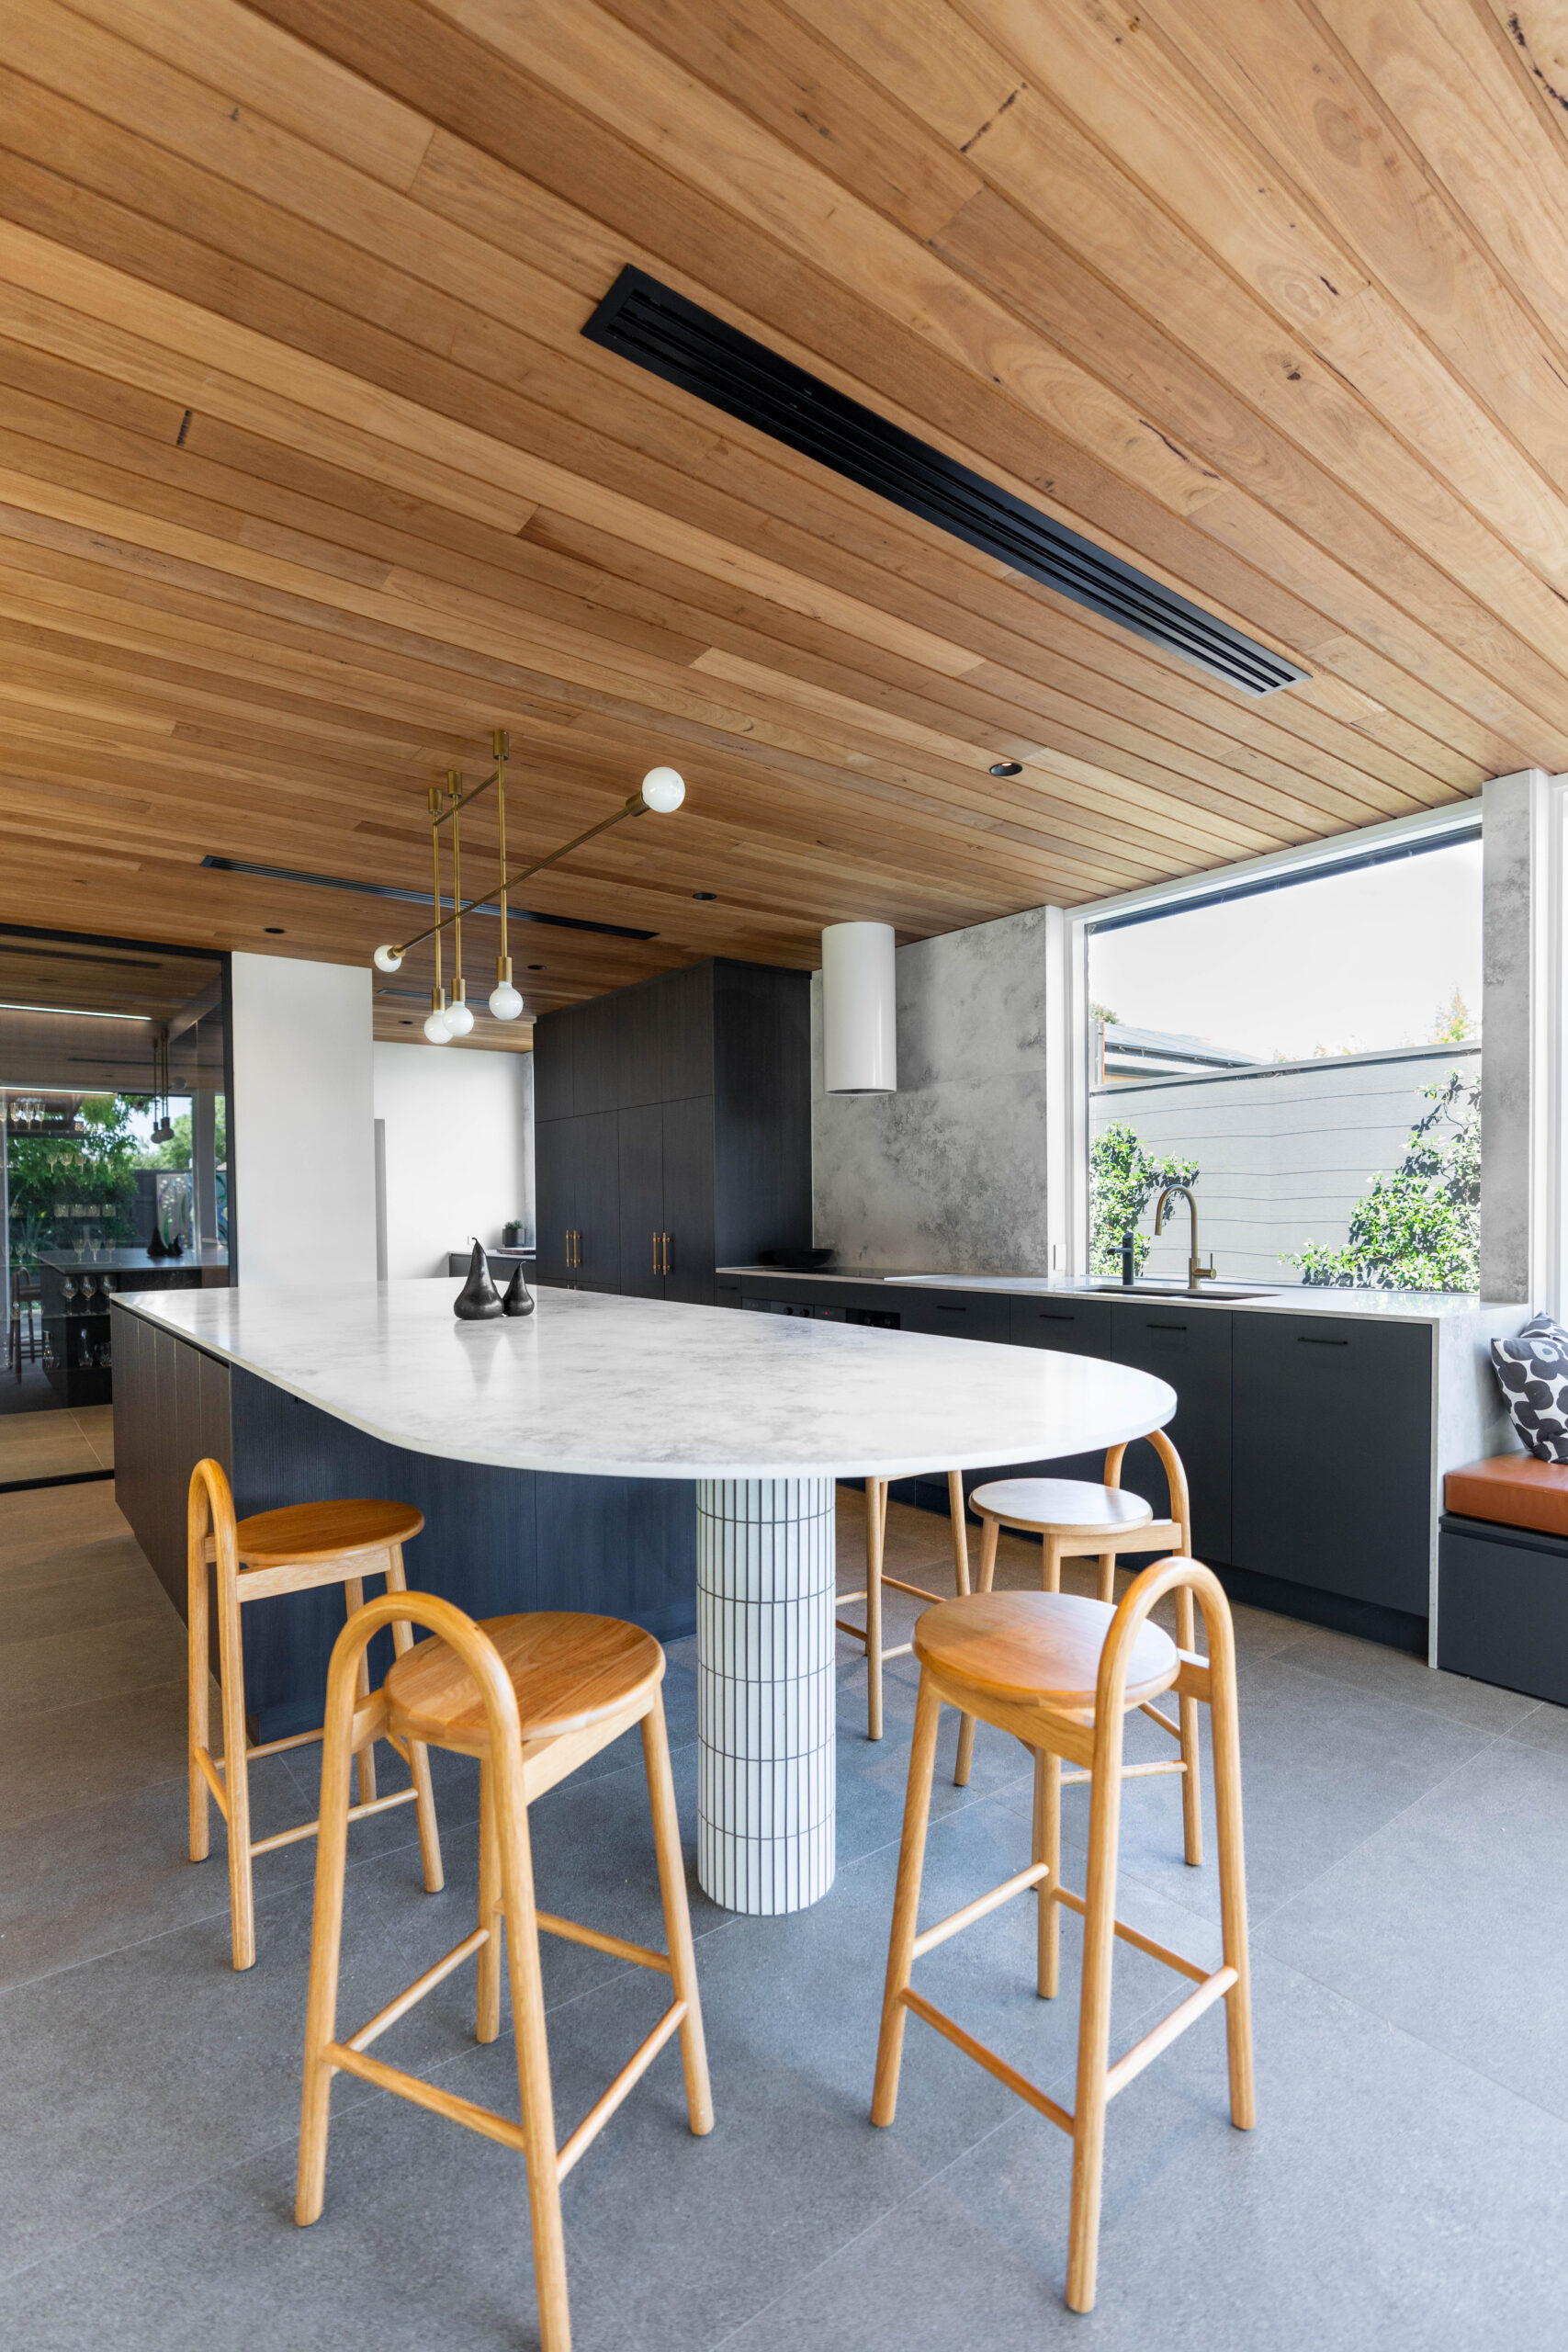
(1196, 1273)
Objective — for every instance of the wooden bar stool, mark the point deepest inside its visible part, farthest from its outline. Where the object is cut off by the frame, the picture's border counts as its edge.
(1061, 1674)
(290, 1550)
(533, 1698)
(1075, 1521)
(869, 1635)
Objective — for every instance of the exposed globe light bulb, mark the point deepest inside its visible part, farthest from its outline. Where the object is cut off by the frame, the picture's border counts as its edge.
(504, 1001)
(663, 789)
(436, 1028)
(459, 1019)
(387, 959)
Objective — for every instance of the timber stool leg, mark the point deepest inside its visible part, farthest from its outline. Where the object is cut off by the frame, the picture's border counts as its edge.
(1061, 1674)
(533, 1698)
(869, 1635)
(291, 1550)
(1076, 1520)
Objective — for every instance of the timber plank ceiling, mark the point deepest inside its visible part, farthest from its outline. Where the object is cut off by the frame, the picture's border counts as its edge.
(309, 478)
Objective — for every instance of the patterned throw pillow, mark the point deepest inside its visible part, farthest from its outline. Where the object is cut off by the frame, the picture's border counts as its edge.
(1533, 1370)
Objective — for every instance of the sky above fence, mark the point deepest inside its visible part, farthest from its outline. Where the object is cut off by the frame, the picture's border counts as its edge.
(1351, 963)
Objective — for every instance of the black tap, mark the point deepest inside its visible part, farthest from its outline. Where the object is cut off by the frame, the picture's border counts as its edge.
(1128, 1269)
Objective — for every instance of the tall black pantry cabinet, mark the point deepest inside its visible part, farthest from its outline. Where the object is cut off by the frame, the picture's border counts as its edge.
(673, 1130)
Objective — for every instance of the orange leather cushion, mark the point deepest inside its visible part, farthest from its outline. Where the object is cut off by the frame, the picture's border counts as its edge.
(1512, 1490)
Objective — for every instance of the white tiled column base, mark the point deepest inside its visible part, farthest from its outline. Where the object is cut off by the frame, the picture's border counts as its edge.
(765, 1691)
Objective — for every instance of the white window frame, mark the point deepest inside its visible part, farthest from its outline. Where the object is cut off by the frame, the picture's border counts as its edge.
(1068, 994)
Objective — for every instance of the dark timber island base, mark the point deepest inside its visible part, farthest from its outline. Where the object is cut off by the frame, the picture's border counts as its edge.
(495, 1540)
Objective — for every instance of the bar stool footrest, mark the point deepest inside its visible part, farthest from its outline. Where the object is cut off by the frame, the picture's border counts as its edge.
(1130, 1772)
(992, 1901)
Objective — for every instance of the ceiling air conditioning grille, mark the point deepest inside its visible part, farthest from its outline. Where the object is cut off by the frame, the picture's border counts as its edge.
(658, 329)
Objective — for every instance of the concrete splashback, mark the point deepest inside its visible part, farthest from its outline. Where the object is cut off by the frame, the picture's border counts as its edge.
(950, 1173)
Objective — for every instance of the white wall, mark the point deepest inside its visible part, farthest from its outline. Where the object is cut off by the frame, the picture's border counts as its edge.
(458, 1145)
(950, 1174)
(303, 1156)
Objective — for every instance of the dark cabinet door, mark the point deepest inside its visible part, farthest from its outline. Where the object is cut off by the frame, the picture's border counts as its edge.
(641, 1135)
(953, 1314)
(639, 1046)
(596, 1044)
(1190, 1348)
(688, 1200)
(598, 1218)
(554, 1197)
(1073, 1327)
(1334, 1454)
(552, 1066)
(686, 1033)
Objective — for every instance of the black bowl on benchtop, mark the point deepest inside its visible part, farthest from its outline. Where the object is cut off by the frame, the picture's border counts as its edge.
(795, 1262)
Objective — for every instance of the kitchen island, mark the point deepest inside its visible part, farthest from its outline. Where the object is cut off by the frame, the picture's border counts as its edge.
(615, 1454)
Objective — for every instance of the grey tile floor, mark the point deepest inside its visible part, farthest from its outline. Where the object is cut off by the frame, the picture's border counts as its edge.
(1407, 2186)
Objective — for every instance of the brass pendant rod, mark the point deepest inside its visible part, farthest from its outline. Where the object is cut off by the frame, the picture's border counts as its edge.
(636, 807)
(440, 819)
(439, 926)
(501, 746)
(454, 788)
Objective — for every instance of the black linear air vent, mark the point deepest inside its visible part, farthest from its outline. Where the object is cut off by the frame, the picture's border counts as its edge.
(661, 331)
(415, 898)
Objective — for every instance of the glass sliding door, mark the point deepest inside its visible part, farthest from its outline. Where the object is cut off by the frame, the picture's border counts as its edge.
(113, 1172)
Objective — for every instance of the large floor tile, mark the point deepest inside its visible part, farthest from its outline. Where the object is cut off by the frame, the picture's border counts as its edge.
(146, 2071)
(1391, 1674)
(100, 1664)
(87, 1754)
(75, 1885)
(424, 2243)
(1385, 2199)
(1452, 1920)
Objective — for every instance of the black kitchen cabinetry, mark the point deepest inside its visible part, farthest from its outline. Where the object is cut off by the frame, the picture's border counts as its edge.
(673, 1130)
(1190, 1348)
(1332, 1482)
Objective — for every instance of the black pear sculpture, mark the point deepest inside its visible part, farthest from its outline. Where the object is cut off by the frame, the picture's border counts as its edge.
(478, 1299)
(519, 1299)
(157, 1247)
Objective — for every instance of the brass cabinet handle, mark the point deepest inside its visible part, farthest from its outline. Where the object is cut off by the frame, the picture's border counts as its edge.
(665, 1268)
(656, 1253)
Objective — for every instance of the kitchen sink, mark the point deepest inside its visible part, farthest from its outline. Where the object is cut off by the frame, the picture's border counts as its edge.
(1180, 1290)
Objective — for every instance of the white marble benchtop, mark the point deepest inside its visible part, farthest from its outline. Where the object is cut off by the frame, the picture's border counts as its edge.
(1291, 1298)
(642, 1389)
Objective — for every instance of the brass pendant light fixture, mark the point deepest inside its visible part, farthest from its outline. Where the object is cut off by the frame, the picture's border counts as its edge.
(662, 790)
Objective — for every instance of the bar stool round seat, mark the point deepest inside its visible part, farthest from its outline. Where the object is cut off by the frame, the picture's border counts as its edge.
(1062, 1506)
(569, 1672)
(1076, 1519)
(304, 1533)
(1042, 1648)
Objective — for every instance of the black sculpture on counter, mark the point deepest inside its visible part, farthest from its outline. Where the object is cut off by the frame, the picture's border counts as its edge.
(519, 1299)
(478, 1299)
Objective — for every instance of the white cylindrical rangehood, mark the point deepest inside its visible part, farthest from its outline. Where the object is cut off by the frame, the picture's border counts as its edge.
(859, 1030)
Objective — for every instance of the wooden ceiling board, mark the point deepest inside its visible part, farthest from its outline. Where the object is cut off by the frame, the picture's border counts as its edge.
(309, 478)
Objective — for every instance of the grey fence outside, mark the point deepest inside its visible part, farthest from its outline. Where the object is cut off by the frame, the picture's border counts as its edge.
(1284, 1150)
